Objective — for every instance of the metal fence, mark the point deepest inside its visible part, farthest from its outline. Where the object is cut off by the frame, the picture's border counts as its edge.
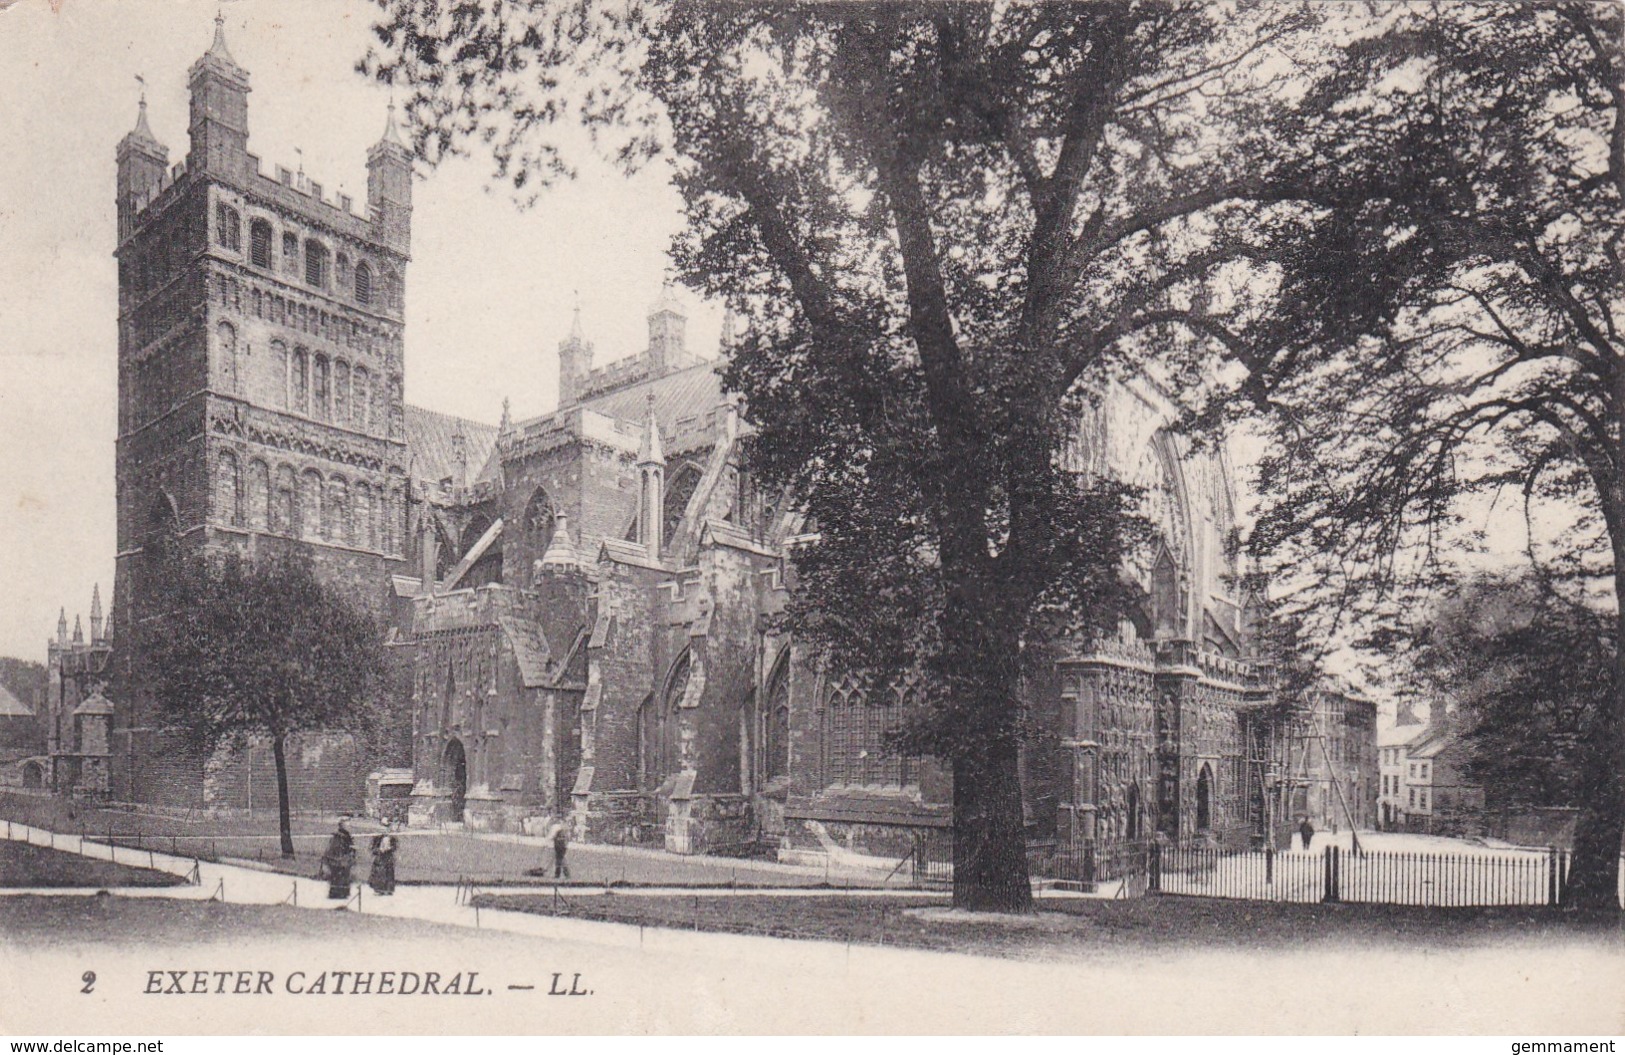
(1378, 877)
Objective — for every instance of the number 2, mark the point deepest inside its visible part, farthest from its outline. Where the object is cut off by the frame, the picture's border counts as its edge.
(89, 978)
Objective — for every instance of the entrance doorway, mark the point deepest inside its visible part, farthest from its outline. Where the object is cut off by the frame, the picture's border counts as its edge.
(456, 769)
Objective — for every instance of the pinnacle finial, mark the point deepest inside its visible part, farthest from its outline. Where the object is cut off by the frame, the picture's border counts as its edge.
(649, 452)
(507, 416)
(392, 132)
(218, 48)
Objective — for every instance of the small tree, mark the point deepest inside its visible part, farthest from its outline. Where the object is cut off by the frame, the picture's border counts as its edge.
(238, 650)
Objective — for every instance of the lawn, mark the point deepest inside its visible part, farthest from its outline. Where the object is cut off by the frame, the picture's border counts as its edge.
(1079, 927)
(22, 865)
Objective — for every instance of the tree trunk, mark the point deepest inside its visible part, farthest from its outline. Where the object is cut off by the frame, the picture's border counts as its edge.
(284, 821)
(1593, 880)
(990, 842)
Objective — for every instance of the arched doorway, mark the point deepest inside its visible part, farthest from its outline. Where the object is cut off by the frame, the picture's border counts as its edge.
(1204, 799)
(1133, 810)
(455, 765)
(33, 775)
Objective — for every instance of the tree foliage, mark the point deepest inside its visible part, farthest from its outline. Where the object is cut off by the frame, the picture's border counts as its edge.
(1532, 677)
(1449, 294)
(238, 651)
(945, 224)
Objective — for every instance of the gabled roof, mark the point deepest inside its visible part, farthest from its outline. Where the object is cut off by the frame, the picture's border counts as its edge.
(432, 446)
(11, 706)
(530, 649)
(96, 704)
(1398, 735)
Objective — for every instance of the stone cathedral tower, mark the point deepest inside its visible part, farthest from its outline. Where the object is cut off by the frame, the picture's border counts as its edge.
(260, 365)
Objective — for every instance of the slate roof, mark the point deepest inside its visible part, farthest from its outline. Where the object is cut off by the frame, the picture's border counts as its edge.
(430, 441)
(682, 400)
(529, 649)
(11, 706)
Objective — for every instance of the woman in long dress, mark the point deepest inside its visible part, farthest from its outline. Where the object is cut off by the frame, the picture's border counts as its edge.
(382, 876)
(338, 864)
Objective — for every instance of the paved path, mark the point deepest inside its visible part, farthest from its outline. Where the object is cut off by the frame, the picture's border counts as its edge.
(653, 980)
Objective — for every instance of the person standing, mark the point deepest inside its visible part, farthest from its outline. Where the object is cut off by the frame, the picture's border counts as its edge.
(561, 843)
(1306, 832)
(338, 863)
(382, 876)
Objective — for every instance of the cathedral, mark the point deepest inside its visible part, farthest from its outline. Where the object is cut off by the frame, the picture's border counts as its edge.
(578, 607)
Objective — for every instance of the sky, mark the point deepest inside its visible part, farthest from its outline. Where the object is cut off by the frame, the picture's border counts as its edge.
(489, 292)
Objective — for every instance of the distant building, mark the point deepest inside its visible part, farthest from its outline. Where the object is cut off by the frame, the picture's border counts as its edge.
(1330, 766)
(1439, 799)
(1391, 745)
(22, 743)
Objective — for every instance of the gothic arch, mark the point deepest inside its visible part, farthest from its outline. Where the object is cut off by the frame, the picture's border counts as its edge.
(1204, 798)
(680, 487)
(163, 525)
(227, 489)
(536, 524)
(258, 497)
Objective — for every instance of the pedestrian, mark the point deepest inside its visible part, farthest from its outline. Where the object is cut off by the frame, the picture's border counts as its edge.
(382, 876)
(561, 843)
(338, 863)
(1306, 832)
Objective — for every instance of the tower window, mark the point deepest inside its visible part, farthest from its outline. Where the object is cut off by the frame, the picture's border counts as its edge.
(259, 244)
(363, 283)
(228, 227)
(315, 264)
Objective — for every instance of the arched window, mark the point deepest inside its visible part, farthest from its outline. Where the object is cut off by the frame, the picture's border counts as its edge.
(227, 344)
(228, 227)
(341, 391)
(311, 501)
(363, 283)
(301, 381)
(671, 699)
(226, 507)
(650, 772)
(279, 375)
(776, 736)
(259, 244)
(319, 405)
(258, 499)
(394, 519)
(338, 511)
(538, 524)
(284, 503)
(1204, 799)
(361, 397)
(679, 489)
(163, 527)
(315, 264)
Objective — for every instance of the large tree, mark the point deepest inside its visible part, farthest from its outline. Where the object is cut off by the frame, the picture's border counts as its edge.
(1531, 674)
(239, 651)
(943, 223)
(1444, 337)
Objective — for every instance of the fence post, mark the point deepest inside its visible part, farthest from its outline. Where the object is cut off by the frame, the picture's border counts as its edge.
(1154, 871)
(1269, 866)
(1330, 871)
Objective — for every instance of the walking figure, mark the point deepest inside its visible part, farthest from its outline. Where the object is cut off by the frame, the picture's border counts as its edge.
(382, 877)
(338, 863)
(1306, 832)
(561, 843)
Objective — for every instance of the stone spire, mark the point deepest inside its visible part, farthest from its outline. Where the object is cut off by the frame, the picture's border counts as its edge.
(575, 361)
(505, 426)
(78, 630)
(96, 612)
(62, 626)
(392, 132)
(217, 50)
(561, 552)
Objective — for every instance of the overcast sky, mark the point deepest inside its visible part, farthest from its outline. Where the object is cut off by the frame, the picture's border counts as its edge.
(489, 290)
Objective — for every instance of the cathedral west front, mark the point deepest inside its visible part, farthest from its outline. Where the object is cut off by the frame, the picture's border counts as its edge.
(578, 608)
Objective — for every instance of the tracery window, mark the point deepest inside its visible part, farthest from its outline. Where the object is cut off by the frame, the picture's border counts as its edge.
(538, 524)
(858, 727)
(679, 490)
